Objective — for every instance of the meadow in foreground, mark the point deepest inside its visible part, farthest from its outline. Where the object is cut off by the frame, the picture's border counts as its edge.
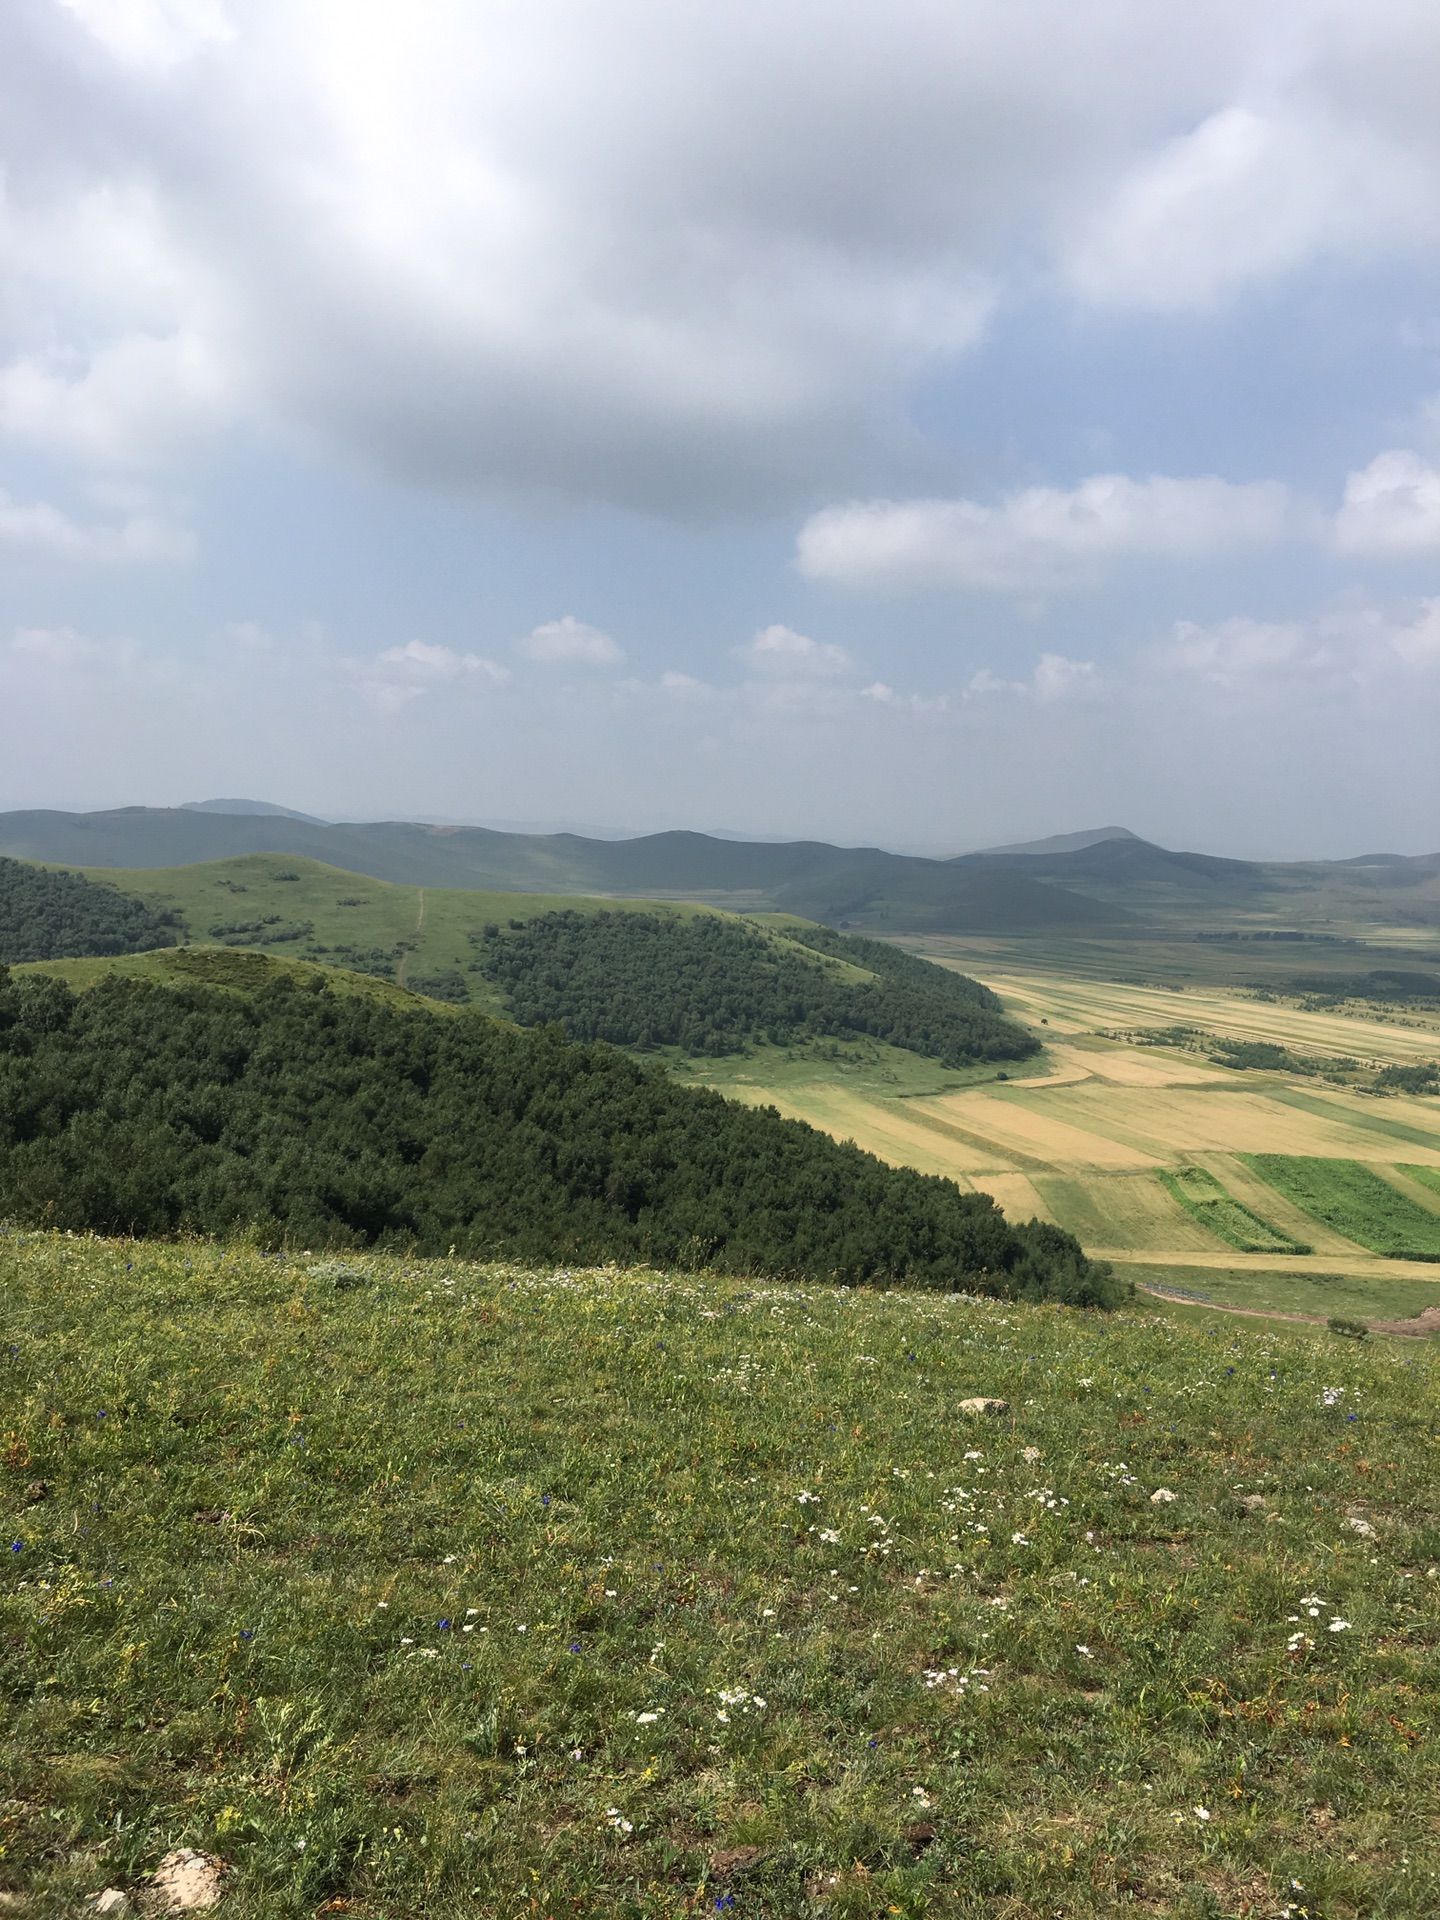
(418, 1588)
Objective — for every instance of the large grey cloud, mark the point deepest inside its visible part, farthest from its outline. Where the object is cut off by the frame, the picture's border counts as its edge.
(672, 256)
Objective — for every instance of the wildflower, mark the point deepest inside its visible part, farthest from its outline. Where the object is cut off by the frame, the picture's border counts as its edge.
(614, 1818)
(1202, 1814)
(921, 1797)
(1084, 1651)
(1162, 1497)
(648, 1719)
(1337, 1625)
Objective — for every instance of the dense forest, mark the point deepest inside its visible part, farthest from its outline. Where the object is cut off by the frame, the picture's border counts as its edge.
(329, 1121)
(714, 986)
(55, 916)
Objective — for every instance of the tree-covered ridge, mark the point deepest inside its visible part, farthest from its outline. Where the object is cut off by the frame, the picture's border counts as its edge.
(329, 1121)
(714, 986)
(61, 916)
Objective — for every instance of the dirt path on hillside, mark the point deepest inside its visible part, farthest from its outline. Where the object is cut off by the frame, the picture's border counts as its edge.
(1423, 1326)
(404, 966)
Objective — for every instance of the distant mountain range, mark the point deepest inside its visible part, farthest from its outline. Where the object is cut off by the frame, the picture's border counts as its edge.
(1088, 881)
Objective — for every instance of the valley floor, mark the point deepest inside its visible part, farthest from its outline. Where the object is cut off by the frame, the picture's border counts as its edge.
(1127, 1092)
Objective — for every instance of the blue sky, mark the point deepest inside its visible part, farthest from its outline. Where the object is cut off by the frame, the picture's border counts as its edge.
(930, 425)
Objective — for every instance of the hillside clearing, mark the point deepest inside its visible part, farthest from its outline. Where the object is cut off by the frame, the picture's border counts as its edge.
(417, 1588)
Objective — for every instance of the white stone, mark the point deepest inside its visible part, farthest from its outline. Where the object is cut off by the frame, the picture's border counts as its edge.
(984, 1403)
(112, 1900)
(186, 1882)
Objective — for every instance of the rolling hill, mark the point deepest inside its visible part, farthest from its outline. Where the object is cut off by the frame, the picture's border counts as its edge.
(1103, 880)
(639, 973)
(865, 886)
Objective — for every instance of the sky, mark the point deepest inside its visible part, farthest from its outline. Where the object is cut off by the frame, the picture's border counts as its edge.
(927, 425)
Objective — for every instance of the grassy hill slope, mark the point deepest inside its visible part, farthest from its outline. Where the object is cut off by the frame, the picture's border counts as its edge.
(416, 1587)
(446, 943)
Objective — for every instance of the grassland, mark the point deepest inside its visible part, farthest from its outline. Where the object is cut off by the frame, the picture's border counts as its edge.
(1355, 1201)
(1202, 1195)
(231, 970)
(423, 1589)
(296, 908)
(423, 938)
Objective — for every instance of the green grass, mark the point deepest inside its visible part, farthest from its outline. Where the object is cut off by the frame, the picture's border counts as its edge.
(1427, 1176)
(860, 1066)
(1205, 1199)
(231, 969)
(348, 912)
(1354, 1200)
(255, 1503)
(414, 934)
(1321, 1294)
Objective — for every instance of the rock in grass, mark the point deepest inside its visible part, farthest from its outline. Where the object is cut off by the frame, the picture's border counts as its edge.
(1162, 1496)
(185, 1882)
(114, 1900)
(984, 1403)
(730, 1862)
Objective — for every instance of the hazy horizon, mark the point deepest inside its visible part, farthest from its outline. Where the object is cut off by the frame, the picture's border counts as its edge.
(931, 429)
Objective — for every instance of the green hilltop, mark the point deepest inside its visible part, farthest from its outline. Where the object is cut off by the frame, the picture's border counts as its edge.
(649, 975)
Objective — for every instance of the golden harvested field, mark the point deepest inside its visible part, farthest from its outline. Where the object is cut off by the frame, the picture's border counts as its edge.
(1081, 1139)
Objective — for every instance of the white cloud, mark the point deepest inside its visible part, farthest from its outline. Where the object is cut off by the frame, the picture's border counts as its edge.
(1231, 652)
(570, 642)
(1244, 197)
(1391, 507)
(607, 253)
(138, 400)
(62, 647)
(395, 677)
(154, 34)
(38, 530)
(781, 653)
(425, 661)
(1043, 537)
(1417, 639)
(1054, 678)
(1357, 643)
(61, 656)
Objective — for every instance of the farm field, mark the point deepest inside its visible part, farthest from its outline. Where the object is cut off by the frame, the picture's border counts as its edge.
(1357, 1201)
(1095, 1136)
(1201, 1194)
(421, 1588)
